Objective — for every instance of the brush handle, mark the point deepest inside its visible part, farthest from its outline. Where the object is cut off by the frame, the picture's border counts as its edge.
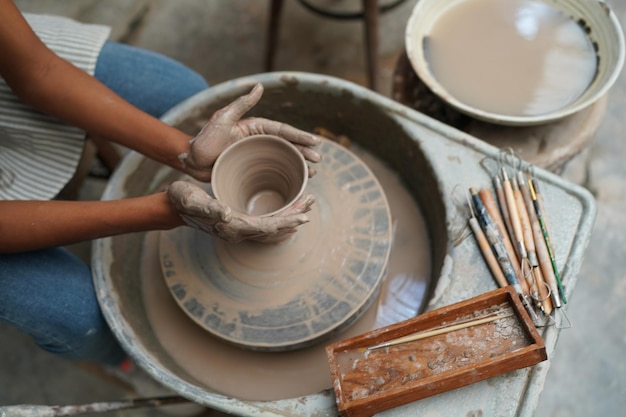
(492, 209)
(518, 235)
(485, 249)
(495, 242)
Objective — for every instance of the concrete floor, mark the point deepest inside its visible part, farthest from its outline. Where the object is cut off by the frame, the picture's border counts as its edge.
(225, 40)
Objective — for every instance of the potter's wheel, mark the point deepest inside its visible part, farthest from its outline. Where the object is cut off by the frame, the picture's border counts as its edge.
(292, 294)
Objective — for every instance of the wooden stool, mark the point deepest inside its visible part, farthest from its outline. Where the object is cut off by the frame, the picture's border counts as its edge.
(370, 11)
(548, 146)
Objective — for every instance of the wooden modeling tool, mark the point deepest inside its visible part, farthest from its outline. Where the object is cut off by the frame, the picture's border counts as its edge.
(501, 255)
(492, 209)
(516, 223)
(543, 292)
(485, 249)
(506, 217)
(522, 197)
(552, 258)
(530, 262)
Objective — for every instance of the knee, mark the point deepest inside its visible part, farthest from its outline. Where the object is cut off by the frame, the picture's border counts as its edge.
(83, 335)
(49, 295)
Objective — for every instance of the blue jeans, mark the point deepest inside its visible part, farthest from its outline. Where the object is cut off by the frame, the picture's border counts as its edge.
(150, 81)
(49, 294)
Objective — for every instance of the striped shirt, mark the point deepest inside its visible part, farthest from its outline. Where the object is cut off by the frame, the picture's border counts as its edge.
(38, 153)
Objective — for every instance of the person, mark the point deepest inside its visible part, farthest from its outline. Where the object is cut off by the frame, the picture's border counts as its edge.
(60, 80)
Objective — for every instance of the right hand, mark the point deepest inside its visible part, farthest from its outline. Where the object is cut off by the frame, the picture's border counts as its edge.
(226, 126)
(200, 210)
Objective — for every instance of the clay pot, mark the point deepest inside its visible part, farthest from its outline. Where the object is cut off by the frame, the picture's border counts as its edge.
(260, 175)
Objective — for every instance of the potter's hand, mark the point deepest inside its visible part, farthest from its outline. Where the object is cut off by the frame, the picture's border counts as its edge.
(196, 207)
(265, 229)
(226, 127)
(200, 210)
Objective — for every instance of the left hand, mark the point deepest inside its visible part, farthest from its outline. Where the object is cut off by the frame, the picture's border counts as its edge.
(265, 229)
(226, 127)
(201, 211)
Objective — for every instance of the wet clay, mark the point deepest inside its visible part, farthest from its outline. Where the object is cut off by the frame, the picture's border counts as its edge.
(265, 201)
(514, 57)
(296, 292)
(259, 175)
(251, 375)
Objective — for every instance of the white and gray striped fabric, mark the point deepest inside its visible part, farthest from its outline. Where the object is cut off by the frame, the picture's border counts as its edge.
(39, 154)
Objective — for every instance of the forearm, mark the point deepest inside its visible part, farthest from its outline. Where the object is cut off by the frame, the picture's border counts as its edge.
(55, 87)
(80, 100)
(31, 225)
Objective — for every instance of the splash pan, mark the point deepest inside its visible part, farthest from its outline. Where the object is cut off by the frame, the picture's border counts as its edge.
(432, 161)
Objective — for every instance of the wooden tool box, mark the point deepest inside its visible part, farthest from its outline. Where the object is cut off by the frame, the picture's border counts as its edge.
(367, 381)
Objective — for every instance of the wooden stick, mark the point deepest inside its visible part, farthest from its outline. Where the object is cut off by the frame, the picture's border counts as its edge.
(494, 239)
(501, 255)
(535, 186)
(485, 249)
(546, 267)
(545, 263)
(527, 232)
(506, 217)
(492, 208)
(529, 241)
(518, 235)
(541, 295)
(544, 294)
(546, 235)
(438, 331)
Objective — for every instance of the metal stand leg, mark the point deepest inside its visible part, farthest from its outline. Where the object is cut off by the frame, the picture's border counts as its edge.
(276, 8)
(370, 14)
(370, 8)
